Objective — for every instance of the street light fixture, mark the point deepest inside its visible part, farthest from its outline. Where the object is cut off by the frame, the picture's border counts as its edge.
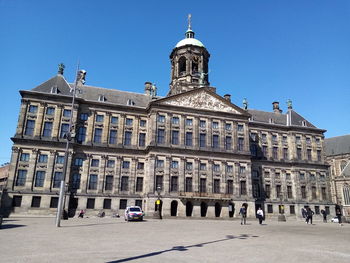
(158, 202)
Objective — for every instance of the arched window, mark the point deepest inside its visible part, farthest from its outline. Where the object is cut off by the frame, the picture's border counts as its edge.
(182, 65)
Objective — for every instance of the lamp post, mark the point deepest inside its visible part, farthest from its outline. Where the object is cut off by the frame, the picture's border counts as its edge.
(80, 80)
(281, 216)
(158, 203)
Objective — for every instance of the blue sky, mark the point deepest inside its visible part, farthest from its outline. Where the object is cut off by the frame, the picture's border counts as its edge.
(265, 51)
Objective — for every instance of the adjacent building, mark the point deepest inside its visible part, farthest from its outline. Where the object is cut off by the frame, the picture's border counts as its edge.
(202, 155)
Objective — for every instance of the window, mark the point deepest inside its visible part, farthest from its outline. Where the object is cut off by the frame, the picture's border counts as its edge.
(215, 141)
(188, 138)
(228, 126)
(202, 140)
(188, 184)
(107, 203)
(216, 186)
(313, 192)
(256, 188)
(327, 210)
(76, 181)
(98, 135)
(203, 185)
(229, 168)
(253, 136)
(189, 166)
(90, 204)
(189, 122)
(160, 163)
(275, 153)
(114, 120)
(29, 128)
(24, 157)
(173, 184)
(175, 164)
(240, 144)
(308, 152)
(140, 166)
(267, 191)
(143, 123)
(93, 182)
(54, 202)
(203, 166)
(319, 158)
(229, 187)
(21, 177)
(228, 142)
(312, 177)
(57, 178)
(274, 138)
(202, 123)
(39, 179)
(175, 120)
(50, 111)
(254, 150)
(33, 109)
(299, 153)
(59, 159)
(64, 130)
(42, 158)
(301, 176)
(47, 129)
(78, 162)
(216, 167)
(240, 127)
(284, 139)
(128, 121)
(303, 191)
(109, 183)
(81, 134)
(67, 113)
(317, 210)
(126, 165)
(264, 137)
(99, 118)
(285, 154)
(243, 187)
(159, 182)
(139, 184)
(297, 139)
(36, 200)
(84, 116)
(308, 140)
(269, 209)
(127, 138)
(161, 118)
(215, 125)
(142, 139)
(124, 183)
(95, 162)
(113, 136)
(241, 169)
(289, 191)
(175, 137)
(292, 209)
(123, 203)
(323, 193)
(278, 191)
(161, 136)
(110, 163)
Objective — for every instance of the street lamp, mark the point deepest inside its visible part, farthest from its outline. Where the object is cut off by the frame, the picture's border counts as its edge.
(281, 216)
(80, 80)
(158, 202)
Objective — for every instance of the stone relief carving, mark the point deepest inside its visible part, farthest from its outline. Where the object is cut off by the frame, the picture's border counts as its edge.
(201, 100)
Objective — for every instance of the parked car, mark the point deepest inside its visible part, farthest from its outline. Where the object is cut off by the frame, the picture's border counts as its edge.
(335, 220)
(133, 213)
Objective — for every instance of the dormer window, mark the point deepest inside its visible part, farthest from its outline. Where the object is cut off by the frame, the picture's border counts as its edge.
(303, 123)
(54, 90)
(130, 102)
(101, 98)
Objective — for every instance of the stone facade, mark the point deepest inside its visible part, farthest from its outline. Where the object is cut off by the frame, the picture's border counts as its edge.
(206, 155)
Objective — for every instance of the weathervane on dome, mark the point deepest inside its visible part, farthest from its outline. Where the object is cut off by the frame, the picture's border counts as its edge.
(189, 22)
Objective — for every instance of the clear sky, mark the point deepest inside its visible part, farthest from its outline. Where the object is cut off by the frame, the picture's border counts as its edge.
(266, 51)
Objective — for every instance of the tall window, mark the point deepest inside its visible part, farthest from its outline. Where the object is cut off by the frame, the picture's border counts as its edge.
(174, 184)
(202, 140)
(47, 129)
(309, 157)
(275, 153)
(24, 157)
(303, 191)
(159, 182)
(142, 139)
(175, 137)
(299, 154)
(127, 138)
(324, 194)
(228, 142)
(215, 141)
(289, 192)
(21, 177)
(113, 136)
(188, 138)
(243, 187)
(81, 134)
(98, 135)
(57, 178)
(229, 186)
(64, 130)
(29, 128)
(319, 157)
(93, 182)
(216, 186)
(109, 183)
(203, 185)
(278, 191)
(240, 144)
(161, 136)
(76, 181)
(267, 191)
(139, 184)
(285, 154)
(188, 184)
(39, 179)
(313, 191)
(124, 183)
(264, 151)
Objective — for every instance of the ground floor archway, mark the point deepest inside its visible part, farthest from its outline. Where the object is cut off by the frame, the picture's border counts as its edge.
(217, 210)
(173, 208)
(189, 208)
(204, 209)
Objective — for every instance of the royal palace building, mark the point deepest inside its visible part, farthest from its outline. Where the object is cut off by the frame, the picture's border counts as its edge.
(194, 149)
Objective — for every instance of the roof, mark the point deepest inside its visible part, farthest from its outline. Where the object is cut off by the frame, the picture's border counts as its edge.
(337, 145)
(189, 41)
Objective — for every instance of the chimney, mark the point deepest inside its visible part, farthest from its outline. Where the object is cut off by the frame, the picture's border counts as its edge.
(276, 107)
(227, 97)
(148, 88)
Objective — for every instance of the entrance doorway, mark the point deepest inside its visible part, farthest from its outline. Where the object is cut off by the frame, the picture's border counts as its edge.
(204, 209)
(189, 208)
(72, 206)
(217, 210)
(173, 208)
(231, 209)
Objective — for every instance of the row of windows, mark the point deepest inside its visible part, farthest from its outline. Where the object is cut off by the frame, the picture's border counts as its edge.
(43, 158)
(274, 137)
(289, 194)
(39, 179)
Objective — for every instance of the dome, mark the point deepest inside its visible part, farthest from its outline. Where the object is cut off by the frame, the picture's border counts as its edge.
(189, 41)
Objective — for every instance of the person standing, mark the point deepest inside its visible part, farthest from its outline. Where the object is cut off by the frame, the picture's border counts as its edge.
(338, 214)
(243, 213)
(309, 214)
(260, 214)
(324, 214)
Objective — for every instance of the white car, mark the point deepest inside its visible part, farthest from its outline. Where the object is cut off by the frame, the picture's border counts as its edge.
(133, 213)
(335, 220)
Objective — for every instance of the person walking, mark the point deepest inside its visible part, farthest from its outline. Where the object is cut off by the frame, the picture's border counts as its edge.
(243, 213)
(324, 214)
(309, 214)
(260, 214)
(338, 214)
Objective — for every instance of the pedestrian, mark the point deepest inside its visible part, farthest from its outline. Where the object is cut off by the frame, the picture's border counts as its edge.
(303, 212)
(324, 214)
(309, 214)
(338, 214)
(81, 214)
(260, 214)
(243, 213)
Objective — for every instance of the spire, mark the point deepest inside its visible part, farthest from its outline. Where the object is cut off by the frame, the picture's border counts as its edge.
(189, 32)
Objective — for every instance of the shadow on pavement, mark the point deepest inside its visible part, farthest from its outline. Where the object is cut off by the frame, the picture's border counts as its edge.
(8, 226)
(97, 224)
(181, 248)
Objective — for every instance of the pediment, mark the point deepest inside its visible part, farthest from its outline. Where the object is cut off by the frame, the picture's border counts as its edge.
(202, 100)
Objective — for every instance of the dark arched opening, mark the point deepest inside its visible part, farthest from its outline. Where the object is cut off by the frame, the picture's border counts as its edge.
(231, 209)
(189, 208)
(217, 210)
(173, 208)
(182, 65)
(204, 209)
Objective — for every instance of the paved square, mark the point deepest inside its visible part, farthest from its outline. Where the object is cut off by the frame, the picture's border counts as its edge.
(171, 240)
